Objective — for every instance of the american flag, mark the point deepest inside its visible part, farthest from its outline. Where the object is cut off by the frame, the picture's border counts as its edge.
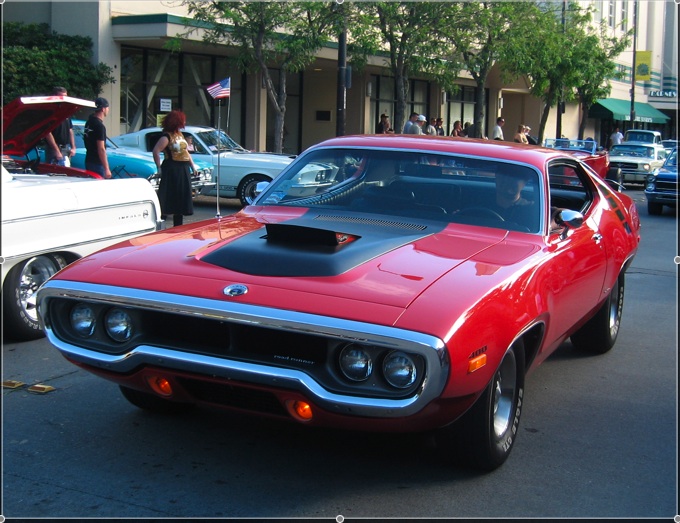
(220, 89)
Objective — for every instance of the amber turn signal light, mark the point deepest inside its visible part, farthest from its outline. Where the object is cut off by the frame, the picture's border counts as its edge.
(160, 385)
(476, 363)
(300, 410)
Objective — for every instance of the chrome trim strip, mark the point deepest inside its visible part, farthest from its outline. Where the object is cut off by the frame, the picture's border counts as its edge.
(431, 348)
(81, 211)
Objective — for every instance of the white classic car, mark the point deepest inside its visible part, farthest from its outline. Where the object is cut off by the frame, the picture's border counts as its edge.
(237, 170)
(636, 159)
(53, 218)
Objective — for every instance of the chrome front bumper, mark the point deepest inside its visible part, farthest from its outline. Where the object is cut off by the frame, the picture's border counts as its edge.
(430, 348)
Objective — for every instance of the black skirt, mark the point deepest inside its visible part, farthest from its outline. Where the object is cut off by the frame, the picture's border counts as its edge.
(174, 191)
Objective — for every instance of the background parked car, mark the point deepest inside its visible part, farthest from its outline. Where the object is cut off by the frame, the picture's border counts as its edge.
(662, 185)
(636, 159)
(50, 219)
(590, 153)
(126, 162)
(642, 135)
(237, 169)
(669, 145)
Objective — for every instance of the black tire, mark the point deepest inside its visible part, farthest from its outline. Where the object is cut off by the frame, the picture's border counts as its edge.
(153, 403)
(484, 436)
(19, 290)
(246, 189)
(654, 208)
(599, 334)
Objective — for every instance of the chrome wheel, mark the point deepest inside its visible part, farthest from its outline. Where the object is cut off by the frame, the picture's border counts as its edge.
(36, 271)
(19, 290)
(504, 394)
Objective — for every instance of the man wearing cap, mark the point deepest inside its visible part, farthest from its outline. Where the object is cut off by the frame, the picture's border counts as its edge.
(417, 126)
(94, 136)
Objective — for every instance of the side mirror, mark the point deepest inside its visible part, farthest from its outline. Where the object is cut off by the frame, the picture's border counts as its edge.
(570, 219)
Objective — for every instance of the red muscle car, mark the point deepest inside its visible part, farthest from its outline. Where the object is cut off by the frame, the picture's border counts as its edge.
(390, 283)
(597, 158)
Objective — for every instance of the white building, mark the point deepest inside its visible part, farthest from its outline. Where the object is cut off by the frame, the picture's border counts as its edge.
(129, 36)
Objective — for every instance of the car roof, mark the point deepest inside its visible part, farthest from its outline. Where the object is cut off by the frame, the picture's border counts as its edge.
(500, 150)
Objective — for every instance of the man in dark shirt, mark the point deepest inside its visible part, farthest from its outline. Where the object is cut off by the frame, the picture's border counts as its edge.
(61, 142)
(94, 136)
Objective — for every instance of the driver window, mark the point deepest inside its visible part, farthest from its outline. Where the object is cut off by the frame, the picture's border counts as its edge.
(567, 190)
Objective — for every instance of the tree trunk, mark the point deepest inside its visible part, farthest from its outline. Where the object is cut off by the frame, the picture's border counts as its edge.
(277, 101)
(400, 112)
(544, 121)
(582, 123)
(480, 105)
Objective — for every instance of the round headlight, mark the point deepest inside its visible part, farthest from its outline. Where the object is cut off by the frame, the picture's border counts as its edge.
(83, 320)
(355, 363)
(118, 325)
(646, 167)
(399, 370)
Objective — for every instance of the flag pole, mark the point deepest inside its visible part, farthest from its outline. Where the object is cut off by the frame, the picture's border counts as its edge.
(218, 141)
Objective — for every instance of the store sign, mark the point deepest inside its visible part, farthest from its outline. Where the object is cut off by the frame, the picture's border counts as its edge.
(663, 94)
(643, 119)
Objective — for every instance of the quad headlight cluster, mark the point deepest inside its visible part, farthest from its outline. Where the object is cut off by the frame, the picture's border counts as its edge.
(358, 363)
(116, 322)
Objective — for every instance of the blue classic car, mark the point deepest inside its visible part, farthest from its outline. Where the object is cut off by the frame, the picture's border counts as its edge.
(661, 187)
(126, 162)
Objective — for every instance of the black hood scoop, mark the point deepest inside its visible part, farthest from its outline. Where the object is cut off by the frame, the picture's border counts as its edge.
(321, 245)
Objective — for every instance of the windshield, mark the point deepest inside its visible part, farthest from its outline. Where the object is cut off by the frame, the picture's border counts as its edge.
(632, 150)
(427, 186)
(672, 160)
(638, 136)
(218, 141)
(588, 145)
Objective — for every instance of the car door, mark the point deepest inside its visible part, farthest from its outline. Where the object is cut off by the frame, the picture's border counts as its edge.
(578, 266)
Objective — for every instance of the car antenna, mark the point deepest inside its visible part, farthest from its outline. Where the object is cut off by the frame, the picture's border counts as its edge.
(217, 145)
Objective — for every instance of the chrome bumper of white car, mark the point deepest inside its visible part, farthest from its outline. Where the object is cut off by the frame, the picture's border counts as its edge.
(430, 348)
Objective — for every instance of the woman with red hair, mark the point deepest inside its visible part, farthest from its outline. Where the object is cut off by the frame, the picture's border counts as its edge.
(174, 191)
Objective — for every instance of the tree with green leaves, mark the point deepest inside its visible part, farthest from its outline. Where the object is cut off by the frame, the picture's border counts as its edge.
(268, 35)
(35, 60)
(548, 58)
(491, 28)
(595, 54)
(410, 34)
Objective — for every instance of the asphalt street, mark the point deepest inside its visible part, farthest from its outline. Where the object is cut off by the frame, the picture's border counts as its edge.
(598, 438)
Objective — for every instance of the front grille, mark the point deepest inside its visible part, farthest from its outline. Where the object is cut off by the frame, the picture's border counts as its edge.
(624, 165)
(664, 186)
(225, 395)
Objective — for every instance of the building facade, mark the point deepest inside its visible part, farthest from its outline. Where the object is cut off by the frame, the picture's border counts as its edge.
(130, 36)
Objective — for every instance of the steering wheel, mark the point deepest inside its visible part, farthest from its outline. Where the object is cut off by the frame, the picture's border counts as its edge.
(481, 211)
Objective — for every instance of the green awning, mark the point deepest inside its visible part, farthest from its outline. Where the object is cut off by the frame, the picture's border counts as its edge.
(616, 109)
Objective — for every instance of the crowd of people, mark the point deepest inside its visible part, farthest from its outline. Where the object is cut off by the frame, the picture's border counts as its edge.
(419, 124)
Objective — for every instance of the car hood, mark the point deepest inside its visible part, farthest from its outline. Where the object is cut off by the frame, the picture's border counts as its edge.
(627, 158)
(665, 173)
(287, 258)
(246, 158)
(27, 120)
